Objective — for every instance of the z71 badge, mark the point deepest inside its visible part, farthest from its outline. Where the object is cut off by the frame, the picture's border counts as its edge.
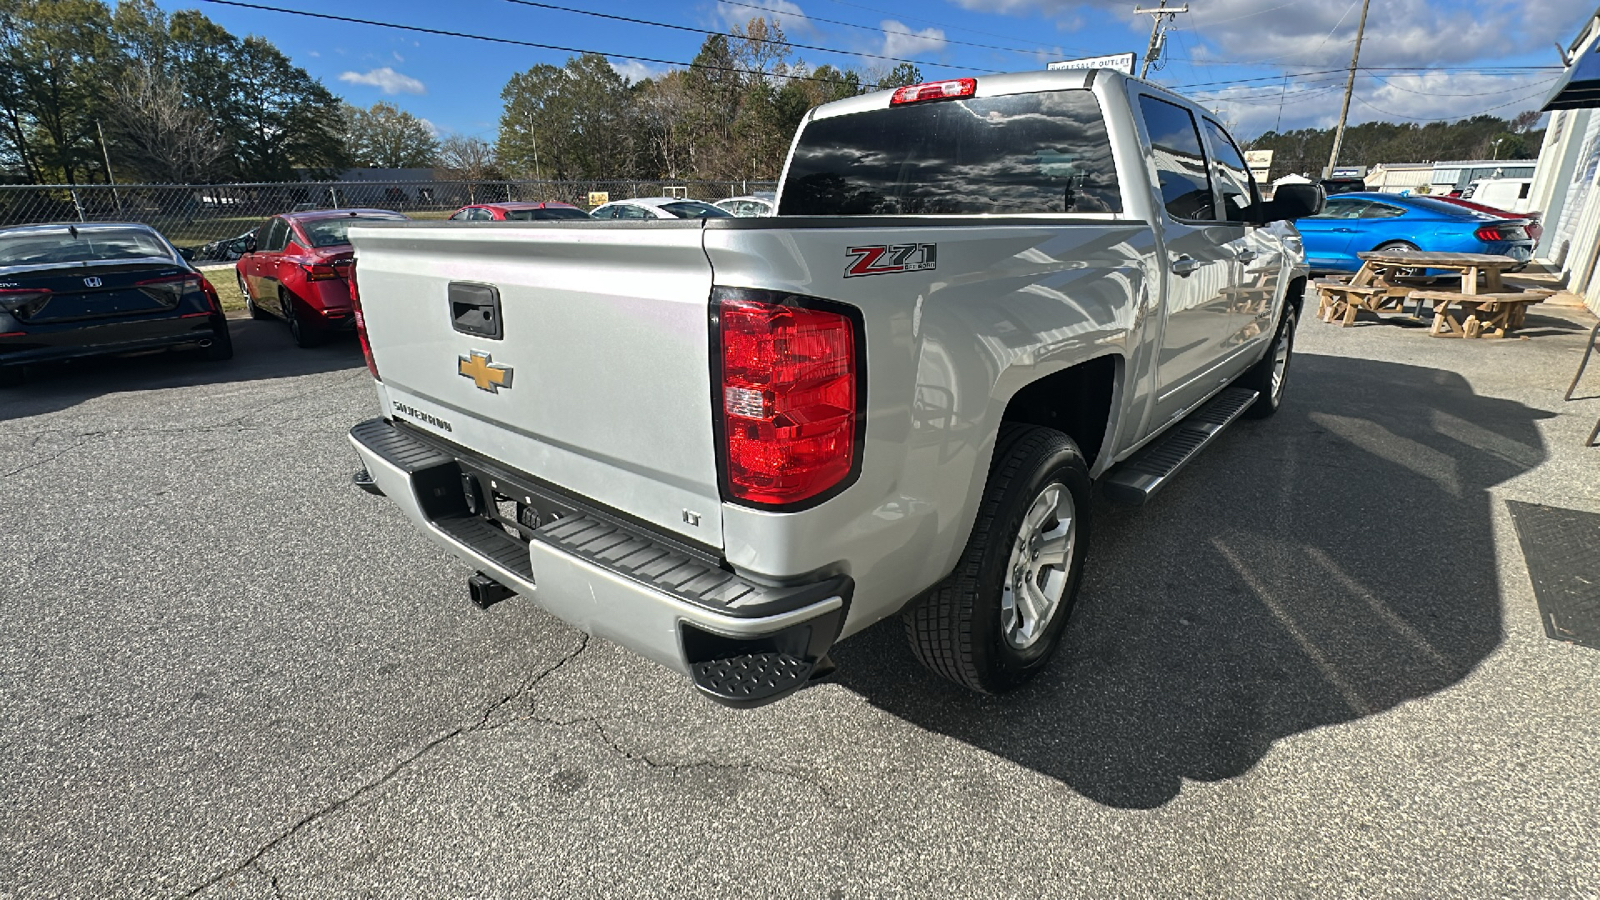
(886, 259)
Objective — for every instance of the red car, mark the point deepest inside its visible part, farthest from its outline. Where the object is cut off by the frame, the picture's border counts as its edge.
(1534, 228)
(517, 212)
(297, 267)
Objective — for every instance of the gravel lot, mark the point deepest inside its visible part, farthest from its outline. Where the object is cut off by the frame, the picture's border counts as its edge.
(1313, 667)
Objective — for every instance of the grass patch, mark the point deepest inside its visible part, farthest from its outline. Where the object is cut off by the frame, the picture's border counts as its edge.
(227, 289)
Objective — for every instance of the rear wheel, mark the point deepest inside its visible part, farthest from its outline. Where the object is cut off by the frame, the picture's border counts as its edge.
(1407, 246)
(306, 334)
(993, 624)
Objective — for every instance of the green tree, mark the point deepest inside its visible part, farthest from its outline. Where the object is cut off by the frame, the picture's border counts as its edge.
(387, 137)
(55, 56)
(574, 122)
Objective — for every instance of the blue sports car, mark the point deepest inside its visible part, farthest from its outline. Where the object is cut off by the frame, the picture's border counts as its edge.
(1356, 223)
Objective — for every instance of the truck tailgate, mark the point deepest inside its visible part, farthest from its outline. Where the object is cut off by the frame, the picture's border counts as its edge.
(606, 390)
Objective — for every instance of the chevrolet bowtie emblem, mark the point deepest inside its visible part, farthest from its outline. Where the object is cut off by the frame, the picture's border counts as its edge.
(484, 372)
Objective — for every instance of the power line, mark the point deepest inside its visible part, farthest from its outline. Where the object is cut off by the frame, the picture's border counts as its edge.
(418, 29)
(873, 28)
(631, 20)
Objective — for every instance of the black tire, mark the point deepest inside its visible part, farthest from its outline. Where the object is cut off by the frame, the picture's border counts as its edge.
(961, 629)
(221, 344)
(250, 306)
(306, 334)
(1402, 245)
(12, 377)
(1265, 377)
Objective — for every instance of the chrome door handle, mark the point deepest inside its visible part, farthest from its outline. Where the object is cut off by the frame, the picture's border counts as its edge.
(1185, 266)
(1246, 255)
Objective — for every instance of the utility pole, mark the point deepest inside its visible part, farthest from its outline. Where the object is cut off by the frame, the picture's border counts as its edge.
(1349, 88)
(1160, 18)
(109, 176)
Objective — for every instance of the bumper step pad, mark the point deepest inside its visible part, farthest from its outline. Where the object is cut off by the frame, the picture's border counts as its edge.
(1152, 468)
(752, 679)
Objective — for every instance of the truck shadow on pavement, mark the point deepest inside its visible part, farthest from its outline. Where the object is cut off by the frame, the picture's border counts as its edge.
(1313, 569)
(262, 349)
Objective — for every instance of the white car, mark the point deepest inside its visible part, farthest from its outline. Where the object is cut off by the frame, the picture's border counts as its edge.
(658, 208)
(762, 203)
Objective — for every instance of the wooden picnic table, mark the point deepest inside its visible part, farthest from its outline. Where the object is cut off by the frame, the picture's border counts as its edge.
(1381, 286)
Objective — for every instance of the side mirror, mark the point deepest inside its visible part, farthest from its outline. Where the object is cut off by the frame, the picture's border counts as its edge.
(1294, 201)
(250, 244)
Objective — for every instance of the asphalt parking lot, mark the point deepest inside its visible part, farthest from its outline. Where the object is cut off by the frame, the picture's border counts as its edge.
(1312, 667)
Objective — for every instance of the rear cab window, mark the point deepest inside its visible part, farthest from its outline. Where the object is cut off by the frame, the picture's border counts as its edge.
(1014, 154)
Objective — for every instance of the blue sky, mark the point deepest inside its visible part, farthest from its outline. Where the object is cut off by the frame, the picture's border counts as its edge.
(1262, 64)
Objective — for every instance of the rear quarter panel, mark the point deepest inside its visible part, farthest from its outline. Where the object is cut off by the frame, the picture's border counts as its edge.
(1010, 301)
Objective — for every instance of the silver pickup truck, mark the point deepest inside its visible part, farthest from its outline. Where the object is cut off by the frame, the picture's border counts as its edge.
(728, 444)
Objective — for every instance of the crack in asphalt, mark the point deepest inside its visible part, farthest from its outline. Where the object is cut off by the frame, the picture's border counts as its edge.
(528, 684)
(808, 779)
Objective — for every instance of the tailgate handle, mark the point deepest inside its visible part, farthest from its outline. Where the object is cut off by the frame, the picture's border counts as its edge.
(475, 309)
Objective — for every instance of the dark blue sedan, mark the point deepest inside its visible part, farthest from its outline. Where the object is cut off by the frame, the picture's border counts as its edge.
(1357, 223)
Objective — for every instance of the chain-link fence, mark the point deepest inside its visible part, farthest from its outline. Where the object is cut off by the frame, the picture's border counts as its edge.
(206, 217)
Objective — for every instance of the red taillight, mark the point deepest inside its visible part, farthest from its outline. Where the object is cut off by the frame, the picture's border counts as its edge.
(1489, 233)
(790, 396)
(361, 323)
(935, 90)
(211, 294)
(319, 272)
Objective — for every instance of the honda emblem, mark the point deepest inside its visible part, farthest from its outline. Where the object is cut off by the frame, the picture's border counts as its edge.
(91, 281)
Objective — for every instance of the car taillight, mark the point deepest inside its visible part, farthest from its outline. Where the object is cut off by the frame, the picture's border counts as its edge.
(935, 90)
(1489, 233)
(211, 294)
(790, 392)
(361, 322)
(23, 302)
(319, 272)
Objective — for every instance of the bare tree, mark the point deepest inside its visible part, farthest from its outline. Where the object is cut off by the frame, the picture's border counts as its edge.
(468, 159)
(158, 133)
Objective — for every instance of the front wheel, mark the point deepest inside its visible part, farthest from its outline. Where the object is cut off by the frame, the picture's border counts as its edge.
(1270, 376)
(250, 306)
(993, 623)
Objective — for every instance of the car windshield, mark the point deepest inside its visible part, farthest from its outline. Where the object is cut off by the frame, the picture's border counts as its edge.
(333, 232)
(80, 245)
(694, 209)
(546, 214)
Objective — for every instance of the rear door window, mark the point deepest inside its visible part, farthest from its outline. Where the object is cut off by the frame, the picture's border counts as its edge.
(1023, 153)
(1180, 159)
(277, 236)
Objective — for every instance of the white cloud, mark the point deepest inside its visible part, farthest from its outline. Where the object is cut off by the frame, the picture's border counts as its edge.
(791, 18)
(634, 70)
(902, 41)
(313, 54)
(387, 80)
(397, 56)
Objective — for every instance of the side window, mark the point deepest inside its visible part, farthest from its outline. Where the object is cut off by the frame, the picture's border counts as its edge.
(1232, 173)
(460, 215)
(482, 215)
(277, 236)
(609, 212)
(1184, 180)
(1342, 209)
(1381, 211)
(633, 212)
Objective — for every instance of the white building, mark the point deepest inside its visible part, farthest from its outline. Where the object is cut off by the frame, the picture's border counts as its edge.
(1566, 185)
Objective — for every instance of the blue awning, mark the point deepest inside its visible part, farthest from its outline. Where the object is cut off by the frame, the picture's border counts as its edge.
(1579, 87)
